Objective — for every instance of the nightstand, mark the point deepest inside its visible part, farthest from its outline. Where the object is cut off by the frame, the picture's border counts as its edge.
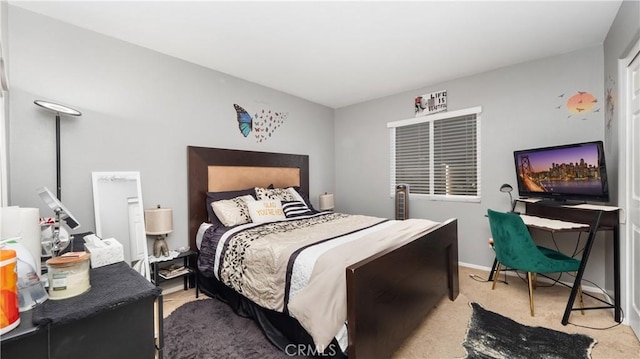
(188, 258)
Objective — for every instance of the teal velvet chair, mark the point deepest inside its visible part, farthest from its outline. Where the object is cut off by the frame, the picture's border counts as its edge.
(516, 249)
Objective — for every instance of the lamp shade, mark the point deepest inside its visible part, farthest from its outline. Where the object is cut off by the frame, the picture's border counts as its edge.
(57, 108)
(158, 220)
(326, 201)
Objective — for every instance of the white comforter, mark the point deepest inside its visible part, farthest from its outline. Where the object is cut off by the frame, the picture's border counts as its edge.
(298, 266)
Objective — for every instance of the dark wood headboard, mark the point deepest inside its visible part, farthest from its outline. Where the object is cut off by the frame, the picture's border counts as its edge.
(199, 160)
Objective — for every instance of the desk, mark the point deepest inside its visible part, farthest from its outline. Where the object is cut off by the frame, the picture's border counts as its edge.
(553, 225)
(582, 217)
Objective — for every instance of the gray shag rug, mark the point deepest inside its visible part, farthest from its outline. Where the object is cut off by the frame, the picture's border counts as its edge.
(208, 329)
(491, 335)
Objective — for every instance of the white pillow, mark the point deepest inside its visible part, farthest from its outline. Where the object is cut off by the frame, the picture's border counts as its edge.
(282, 194)
(265, 211)
(232, 212)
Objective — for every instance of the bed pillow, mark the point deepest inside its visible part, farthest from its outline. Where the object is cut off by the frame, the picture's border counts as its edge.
(304, 197)
(219, 196)
(265, 211)
(297, 193)
(295, 209)
(282, 194)
(232, 212)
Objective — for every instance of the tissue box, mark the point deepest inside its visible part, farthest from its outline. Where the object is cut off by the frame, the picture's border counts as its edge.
(108, 251)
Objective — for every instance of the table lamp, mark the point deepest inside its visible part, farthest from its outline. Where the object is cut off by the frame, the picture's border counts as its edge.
(159, 222)
(507, 188)
(326, 202)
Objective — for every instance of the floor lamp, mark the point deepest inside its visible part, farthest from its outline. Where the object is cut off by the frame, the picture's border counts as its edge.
(58, 109)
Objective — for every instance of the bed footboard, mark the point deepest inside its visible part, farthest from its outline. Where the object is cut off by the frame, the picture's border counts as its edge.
(390, 293)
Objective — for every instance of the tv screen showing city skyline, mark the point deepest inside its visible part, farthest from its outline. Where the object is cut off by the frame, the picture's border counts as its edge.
(566, 170)
(543, 160)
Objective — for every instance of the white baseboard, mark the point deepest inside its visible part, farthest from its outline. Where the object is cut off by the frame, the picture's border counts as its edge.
(474, 266)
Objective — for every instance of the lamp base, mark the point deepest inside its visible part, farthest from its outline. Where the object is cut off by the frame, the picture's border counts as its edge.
(160, 247)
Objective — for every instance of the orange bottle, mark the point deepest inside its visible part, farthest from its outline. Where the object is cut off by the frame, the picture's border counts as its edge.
(9, 313)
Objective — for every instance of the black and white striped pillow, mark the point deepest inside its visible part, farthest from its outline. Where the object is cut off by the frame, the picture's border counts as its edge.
(295, 209)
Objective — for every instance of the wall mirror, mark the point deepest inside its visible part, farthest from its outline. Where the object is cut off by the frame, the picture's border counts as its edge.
(119, 214)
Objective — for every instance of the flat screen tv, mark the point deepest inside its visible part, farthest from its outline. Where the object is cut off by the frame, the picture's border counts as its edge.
(575, 172)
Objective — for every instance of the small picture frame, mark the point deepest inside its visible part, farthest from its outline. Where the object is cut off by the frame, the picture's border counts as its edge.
(431, 103)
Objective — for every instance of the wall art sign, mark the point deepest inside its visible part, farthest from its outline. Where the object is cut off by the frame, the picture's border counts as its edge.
(431, 103)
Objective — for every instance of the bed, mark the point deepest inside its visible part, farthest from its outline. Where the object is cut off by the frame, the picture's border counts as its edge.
(383, 306)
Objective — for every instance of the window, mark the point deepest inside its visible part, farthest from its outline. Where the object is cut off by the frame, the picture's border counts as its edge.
(438, 156)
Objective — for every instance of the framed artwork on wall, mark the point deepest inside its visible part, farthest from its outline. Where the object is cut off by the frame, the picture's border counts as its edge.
(431, 103)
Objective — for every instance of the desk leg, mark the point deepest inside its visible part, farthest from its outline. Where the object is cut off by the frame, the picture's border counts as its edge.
(493, 269)
(583, 265)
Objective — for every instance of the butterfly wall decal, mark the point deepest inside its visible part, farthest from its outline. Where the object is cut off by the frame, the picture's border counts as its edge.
(262, 124)
(245, 122)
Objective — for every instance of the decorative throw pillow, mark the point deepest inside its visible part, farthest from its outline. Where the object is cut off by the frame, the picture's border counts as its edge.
(304, 197)
(295, 209)
(232, 212)
(265, 211)
(282, 194)
(219, 196)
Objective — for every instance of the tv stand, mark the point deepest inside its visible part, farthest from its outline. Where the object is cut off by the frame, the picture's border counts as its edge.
(599, 218)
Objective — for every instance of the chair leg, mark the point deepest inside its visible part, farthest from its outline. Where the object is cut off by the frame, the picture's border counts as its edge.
(495, 276)
(529, 277)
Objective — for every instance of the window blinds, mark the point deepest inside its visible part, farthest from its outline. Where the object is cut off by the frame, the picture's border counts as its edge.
(438, 155)
(455, 156)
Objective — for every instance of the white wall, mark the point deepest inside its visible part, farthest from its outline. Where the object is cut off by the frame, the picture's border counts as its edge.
(519, 112)
(140, 110)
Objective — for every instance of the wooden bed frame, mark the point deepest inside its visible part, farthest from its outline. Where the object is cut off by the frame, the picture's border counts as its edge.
(388, 294)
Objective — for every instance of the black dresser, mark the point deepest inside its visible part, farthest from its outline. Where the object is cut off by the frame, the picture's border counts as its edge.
(114, 319)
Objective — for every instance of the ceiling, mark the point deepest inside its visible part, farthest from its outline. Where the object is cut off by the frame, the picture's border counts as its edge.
(339, 53)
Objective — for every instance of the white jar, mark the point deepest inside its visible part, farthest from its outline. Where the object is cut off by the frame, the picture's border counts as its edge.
(68, 275)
